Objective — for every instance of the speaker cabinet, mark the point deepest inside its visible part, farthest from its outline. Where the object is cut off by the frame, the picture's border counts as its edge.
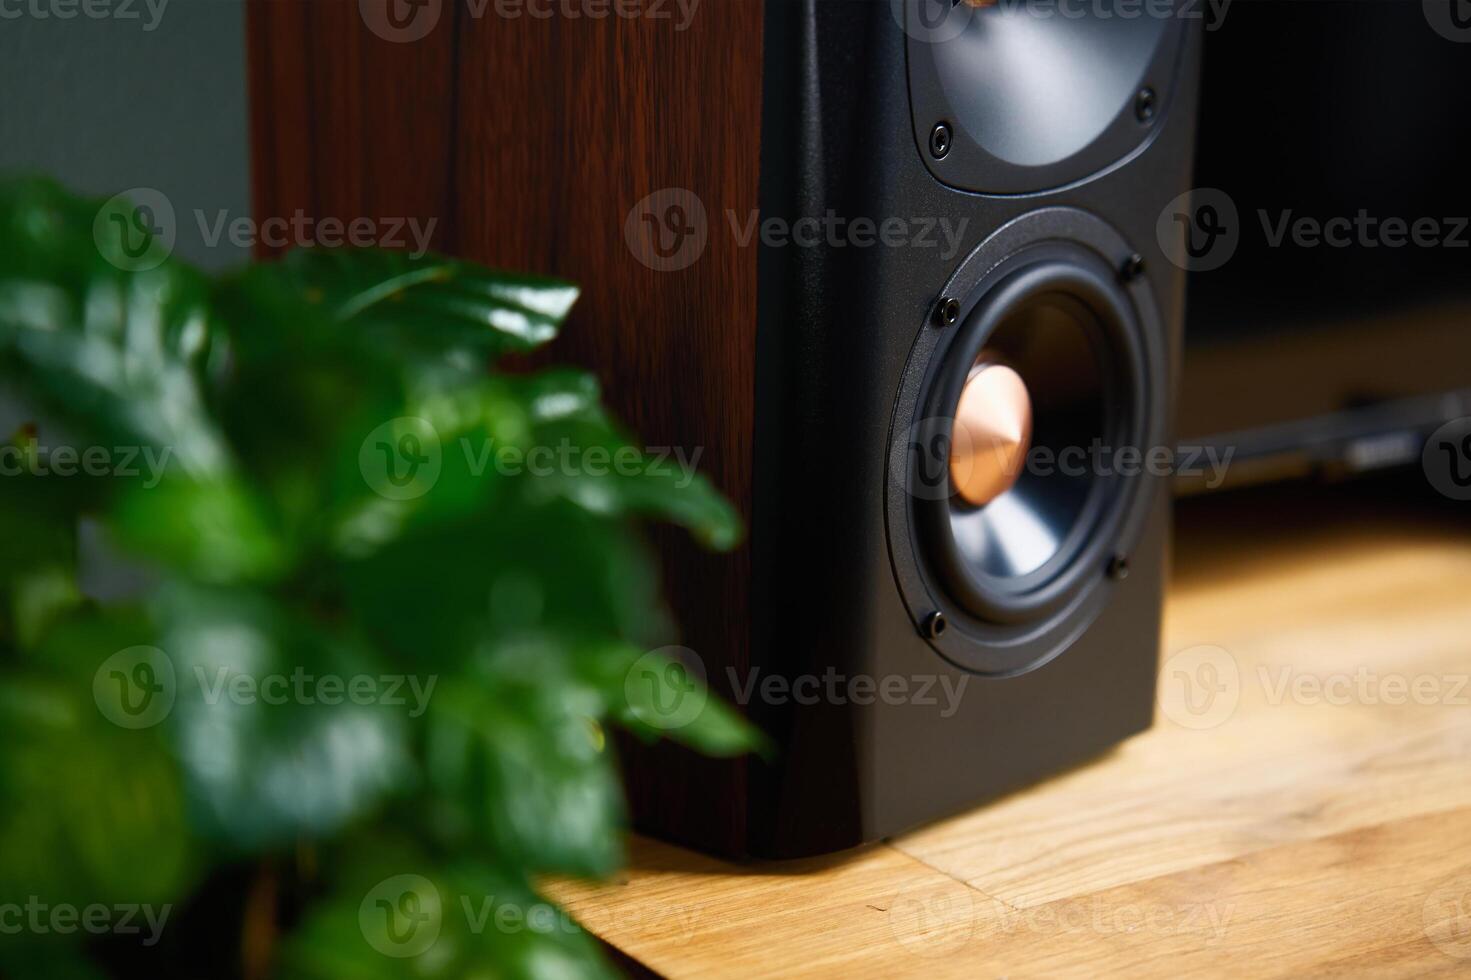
(879, 261)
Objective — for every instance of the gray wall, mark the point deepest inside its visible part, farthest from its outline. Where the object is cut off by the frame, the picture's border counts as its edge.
(105, 105)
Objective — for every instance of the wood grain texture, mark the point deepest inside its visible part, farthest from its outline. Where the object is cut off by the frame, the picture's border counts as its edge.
(529, 140)
(1307, 821)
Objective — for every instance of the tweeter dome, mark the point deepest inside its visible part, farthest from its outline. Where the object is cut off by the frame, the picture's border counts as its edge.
(1036, 95)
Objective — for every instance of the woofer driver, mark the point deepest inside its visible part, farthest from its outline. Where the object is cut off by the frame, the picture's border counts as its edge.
(1009, 495)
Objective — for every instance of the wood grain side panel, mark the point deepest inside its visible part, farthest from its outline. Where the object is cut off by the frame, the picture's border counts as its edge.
(529, 140)
(346, 124)
(567, 126)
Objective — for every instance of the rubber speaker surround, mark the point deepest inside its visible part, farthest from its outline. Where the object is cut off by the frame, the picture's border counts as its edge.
(1005, 624)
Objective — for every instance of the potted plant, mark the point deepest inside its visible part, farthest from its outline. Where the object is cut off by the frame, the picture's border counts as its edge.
(351, 698)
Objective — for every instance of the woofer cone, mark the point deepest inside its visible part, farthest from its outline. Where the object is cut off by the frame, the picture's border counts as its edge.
(1068, 332)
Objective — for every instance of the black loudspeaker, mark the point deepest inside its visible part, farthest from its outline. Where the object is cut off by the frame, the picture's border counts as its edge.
(960, 498)
(891, 267)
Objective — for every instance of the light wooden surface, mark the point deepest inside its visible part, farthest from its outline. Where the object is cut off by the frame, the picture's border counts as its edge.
(1302, 805)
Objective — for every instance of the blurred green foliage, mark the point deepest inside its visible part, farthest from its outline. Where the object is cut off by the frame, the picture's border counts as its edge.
(317, 505)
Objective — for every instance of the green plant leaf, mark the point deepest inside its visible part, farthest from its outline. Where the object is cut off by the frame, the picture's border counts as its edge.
(213, 530)
(521, 764)
(644, 692)
(427, 303)
(401, 914)
(90, 811)
(600, 470)
(38, 576)
(55, 959)
(500, 572)
(273, 744)
(121, 354)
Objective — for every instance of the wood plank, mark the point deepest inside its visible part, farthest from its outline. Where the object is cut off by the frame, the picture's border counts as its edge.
(1390, 899)
(1340, 903)
(1293, 834)
(1277, 769)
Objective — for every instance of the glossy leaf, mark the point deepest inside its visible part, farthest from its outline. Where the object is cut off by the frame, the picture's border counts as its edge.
(426, 303)
(273, 742)
(520, 764)
(90, 810)
(124, 354)
(401, 914)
